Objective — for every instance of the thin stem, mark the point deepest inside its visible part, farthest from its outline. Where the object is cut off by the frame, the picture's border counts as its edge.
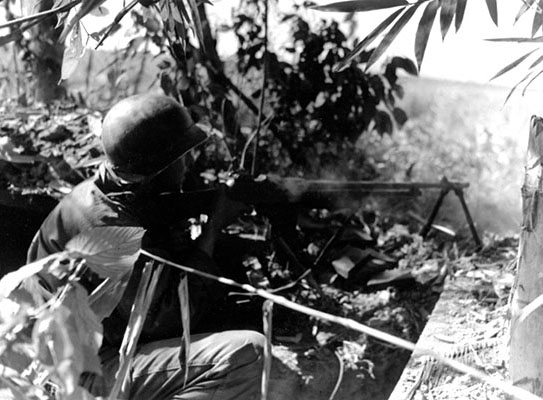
(263, 89)
(117, 19)
(250, 140)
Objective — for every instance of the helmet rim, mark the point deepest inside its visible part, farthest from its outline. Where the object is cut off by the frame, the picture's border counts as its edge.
(144, 134)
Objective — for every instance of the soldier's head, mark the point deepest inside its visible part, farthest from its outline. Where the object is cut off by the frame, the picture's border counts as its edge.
(144, 135)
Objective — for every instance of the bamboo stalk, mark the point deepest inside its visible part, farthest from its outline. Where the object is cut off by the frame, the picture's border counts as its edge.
(144, 296)
(267, 317)
(526, 361)
(506, 387)
(184, 302)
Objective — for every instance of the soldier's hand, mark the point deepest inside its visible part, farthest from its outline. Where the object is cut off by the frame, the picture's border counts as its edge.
(224, 212)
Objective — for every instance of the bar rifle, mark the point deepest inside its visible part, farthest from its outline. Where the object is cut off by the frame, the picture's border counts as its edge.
(281, 198)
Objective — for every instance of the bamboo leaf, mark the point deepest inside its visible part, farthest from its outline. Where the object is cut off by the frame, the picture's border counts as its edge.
(538, 18)
(493, 10)
(525, 6)
(196, 21)
(179, 12)
(109, 251)
(183, 293)
(515, 87)
(392, 34)
(267, 317)
(536, 62)
(460, 10)
(360, 47)
(537, 39)
(360, 5)
(73, 52)
(144, 295)
(448, 9)
(424, 29)
(86, 7)
(515, 63)
(531, 81)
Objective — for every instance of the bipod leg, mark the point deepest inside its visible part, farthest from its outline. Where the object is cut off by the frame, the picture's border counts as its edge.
(298, 267)
(426, 228)
(474, 234)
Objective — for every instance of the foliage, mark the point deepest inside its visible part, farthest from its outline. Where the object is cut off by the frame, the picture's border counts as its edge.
(50, 339)
(179, 18)
(448, 10)
(318, 114)
(310, 117)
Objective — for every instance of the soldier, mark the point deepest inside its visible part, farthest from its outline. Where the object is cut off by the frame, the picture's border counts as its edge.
(146, 139)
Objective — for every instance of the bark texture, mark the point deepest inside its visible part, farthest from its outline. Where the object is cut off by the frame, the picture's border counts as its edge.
(46, 60)
(526, 354)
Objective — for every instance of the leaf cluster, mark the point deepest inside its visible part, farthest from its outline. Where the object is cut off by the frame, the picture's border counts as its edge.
(390, 27)
(319, 112)
(51, 338)
(313, 111)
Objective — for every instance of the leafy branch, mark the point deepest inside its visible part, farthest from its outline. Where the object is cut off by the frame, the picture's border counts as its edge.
(449, 10)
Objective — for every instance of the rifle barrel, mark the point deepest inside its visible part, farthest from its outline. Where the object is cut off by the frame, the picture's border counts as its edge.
(368, 186)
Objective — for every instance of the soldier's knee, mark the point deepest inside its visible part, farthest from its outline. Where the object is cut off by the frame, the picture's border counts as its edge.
(249, 347)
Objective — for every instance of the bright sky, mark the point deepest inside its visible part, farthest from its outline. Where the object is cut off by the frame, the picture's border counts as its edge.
(464, 56)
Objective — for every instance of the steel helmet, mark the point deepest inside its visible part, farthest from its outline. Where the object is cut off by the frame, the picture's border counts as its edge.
(143, 134)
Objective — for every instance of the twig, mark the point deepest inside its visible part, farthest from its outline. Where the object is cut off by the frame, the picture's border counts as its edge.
(508, 388)
(416, 385)
(293, 283)
(266, 122)
(117, 19)
(336, 234)
(339, 376)
(231, 86)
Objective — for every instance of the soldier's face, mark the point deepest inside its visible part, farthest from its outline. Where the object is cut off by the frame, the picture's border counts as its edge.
(169, 180)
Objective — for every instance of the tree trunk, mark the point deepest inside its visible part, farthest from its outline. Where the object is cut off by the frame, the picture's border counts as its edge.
(46, 60)
(526, 356)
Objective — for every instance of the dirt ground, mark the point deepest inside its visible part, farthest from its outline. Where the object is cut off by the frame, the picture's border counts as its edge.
(329, 359)
(469, 323)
